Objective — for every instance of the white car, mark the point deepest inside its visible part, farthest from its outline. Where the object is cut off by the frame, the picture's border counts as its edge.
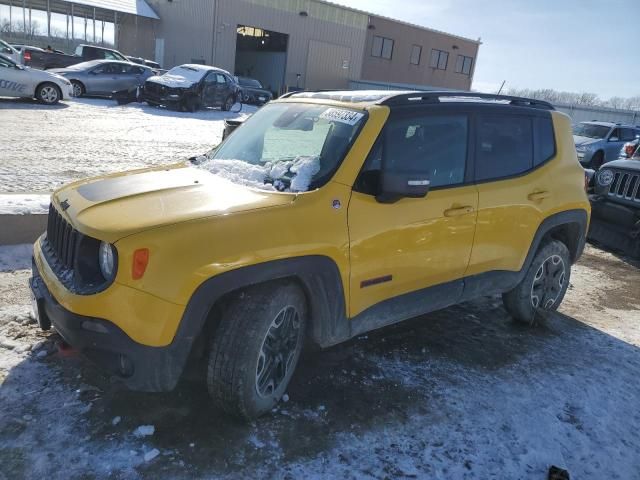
(25, 82)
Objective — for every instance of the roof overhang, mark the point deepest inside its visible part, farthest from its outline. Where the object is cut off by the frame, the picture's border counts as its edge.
(132, 7)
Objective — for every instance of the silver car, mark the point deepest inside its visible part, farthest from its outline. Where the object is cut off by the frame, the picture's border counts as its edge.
(600, 142)
(103, 77)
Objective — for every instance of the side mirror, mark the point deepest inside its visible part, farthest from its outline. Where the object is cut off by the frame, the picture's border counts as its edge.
(394, 186)
(614, 139)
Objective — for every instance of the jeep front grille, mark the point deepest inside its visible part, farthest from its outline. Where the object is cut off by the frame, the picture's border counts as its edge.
(62, 238)
(626, 185)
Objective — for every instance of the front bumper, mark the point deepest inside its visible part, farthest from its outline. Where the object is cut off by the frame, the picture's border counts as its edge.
(140, 367)
(585, 157)
(615, 226)
(162, 98)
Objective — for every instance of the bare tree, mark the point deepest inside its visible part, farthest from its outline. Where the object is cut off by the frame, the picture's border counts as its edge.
(573, 98)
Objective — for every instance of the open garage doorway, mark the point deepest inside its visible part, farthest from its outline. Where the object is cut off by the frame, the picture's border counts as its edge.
(262, 54)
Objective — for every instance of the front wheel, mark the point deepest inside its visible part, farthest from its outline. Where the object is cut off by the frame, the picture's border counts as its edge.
(78, 88)
(597, 160)
(228, 103)
(48, 93)
(543, 286)
(256, 348)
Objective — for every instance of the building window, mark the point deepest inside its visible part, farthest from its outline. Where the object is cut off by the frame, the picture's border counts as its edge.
(439, 59)
(416, 52)
(382, 47)
(463, 65)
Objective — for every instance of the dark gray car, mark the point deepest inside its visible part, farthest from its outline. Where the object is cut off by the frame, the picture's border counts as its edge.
(103, 77)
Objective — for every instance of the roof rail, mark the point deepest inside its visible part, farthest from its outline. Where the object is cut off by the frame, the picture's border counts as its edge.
(434, 97)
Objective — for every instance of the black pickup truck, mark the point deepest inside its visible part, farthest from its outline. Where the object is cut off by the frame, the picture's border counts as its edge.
(44, 59)
(615, 205)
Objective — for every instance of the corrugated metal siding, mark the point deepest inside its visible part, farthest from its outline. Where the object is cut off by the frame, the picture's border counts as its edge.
(326, 66)
(301, 31)
(187, 28)
(583, 113)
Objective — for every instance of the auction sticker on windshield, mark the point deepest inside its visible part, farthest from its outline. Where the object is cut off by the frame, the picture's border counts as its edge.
(341, 115)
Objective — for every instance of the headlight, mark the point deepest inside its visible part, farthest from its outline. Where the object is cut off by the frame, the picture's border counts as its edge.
(605, 177)
(106, 257)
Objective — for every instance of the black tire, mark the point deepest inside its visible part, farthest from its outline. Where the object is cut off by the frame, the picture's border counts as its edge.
(48, 93)
(597, 160)
(228, 104)
(78, 88)
(152, 104)
(191, 104)
(543, 286)
(248, 340)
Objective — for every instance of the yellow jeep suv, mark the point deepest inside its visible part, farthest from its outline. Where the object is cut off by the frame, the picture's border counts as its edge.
(325, 215)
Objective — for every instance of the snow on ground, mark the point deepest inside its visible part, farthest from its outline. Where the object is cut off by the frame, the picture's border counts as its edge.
(16, 204)
(46, 147)
(459, 394)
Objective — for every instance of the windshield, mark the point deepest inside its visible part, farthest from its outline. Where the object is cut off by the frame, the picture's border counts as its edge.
(590, 130)
(249, 82)
(287, 147)
(188, 73)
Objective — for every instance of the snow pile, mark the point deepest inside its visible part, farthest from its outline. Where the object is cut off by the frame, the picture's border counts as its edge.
(24, 204)
(300, 172)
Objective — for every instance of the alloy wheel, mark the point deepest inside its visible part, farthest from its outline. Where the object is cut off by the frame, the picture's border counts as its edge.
(49, 94)
(548, 282)
(278, 351)
(77, 90)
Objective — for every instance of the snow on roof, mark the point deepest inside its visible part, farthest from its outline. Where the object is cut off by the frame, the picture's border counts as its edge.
(134, 7)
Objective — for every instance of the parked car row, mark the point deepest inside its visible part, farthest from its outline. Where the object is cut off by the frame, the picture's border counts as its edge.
(19, 81)
(99, 71)
(600, 142)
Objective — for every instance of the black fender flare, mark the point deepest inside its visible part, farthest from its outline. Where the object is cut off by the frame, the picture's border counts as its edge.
(318, 276)
(500, 281)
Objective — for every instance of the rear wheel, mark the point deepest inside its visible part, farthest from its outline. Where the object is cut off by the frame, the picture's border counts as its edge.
(78, 88)
(228, 103)
(48, 93)
(543, 286)
(256, 348)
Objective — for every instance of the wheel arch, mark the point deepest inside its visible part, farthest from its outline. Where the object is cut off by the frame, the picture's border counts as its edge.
(84, 87)
(318, 277)
(40, 84)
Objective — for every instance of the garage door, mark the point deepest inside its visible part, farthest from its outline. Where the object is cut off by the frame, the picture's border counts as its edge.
(328, 66)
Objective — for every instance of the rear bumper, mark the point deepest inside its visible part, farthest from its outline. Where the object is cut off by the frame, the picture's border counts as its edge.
(140, 367)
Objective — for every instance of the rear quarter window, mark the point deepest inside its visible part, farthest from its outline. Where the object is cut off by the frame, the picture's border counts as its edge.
(546, 145)
(504, 146)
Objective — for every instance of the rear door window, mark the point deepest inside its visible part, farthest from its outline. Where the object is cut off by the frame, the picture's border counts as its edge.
(504, 146)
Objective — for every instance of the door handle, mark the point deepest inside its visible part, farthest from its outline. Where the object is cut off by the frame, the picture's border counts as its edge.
(458, 211)
(538, 196)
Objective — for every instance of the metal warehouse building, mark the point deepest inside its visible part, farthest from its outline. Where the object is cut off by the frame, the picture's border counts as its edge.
(299, 43)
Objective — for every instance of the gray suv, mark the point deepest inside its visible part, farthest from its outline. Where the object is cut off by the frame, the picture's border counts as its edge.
(601, 142)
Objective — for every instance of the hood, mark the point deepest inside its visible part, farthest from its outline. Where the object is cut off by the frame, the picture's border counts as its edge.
(115, 206)
(627, 163)
(583, 141)
(39, 75)
(256, 90)
(172, 81)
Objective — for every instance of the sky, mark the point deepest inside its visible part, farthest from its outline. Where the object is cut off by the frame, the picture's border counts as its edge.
(569, 45)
